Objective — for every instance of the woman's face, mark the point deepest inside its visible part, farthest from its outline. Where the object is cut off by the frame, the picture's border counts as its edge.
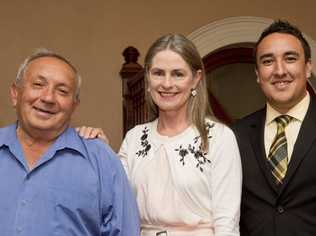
(170, 81)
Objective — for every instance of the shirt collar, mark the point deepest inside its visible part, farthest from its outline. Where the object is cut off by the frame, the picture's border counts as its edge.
(69, 139)
(298, 112)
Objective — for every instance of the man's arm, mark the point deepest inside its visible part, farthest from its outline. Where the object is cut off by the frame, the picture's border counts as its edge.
(121, 218)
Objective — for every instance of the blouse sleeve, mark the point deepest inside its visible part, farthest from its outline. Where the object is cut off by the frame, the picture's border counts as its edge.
(226, 184)
(123, 154)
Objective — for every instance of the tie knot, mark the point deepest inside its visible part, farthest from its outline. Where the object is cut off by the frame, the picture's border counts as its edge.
(283, 120)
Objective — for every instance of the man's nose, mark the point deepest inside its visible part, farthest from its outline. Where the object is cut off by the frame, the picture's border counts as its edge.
(280, 68)
(48, 95)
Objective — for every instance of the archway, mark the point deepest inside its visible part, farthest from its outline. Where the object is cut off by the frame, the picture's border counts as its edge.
(226, 45)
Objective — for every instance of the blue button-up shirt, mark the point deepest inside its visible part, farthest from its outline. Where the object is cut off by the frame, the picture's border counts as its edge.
(78, 187)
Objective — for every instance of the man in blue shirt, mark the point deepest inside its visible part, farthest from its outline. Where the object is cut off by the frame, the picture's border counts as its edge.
(52, 182)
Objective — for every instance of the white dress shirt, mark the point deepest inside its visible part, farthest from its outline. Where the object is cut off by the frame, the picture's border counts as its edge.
(298, 112)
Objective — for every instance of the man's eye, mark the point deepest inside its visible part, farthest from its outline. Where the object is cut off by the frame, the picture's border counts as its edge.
(179, 74)
(291, 59)
(63, 91)
(38, 84)
(267, 62)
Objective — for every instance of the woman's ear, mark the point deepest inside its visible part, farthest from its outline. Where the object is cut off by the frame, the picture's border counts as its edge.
(197, 78)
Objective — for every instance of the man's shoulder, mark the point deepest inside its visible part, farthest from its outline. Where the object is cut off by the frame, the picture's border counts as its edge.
(6, 133)
(249, 119)
(71, 139)
(244, 125)
(92, 149)
(99, 147)
(7, 128)
(102, 158)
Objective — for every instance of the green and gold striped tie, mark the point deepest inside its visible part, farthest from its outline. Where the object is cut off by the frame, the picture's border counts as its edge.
(278, 156)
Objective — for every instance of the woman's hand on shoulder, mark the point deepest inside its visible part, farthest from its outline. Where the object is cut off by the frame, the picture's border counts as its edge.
(91, 132)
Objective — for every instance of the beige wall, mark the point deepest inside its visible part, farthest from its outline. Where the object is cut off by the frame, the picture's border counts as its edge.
(94, 33)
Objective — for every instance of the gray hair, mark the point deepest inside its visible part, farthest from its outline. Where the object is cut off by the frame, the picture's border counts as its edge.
(43, 52)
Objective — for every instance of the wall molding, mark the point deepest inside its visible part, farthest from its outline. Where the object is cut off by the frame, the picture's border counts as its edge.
(232, 30)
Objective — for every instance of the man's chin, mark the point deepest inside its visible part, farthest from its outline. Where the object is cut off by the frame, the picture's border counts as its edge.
(48, 128)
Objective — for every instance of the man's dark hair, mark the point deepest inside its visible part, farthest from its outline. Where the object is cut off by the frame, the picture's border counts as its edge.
(284, 27)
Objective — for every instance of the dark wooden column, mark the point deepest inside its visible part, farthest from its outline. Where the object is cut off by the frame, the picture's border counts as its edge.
(129, 71)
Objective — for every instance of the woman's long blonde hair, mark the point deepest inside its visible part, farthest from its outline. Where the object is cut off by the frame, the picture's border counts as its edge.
(199, 107)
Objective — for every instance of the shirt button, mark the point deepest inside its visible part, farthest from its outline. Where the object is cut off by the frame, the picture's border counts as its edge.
(19, 230)
(280, 209)
(23, 202)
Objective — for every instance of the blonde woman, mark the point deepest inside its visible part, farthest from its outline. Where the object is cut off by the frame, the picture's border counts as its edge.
(184, 166)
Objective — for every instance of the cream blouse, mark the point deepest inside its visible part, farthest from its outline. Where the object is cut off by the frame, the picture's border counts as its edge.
(179, 189)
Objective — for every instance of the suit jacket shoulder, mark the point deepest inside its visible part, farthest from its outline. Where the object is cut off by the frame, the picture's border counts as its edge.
(252, 120)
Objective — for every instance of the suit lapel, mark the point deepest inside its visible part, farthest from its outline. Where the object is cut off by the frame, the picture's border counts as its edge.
(257, 141)
(304, 141)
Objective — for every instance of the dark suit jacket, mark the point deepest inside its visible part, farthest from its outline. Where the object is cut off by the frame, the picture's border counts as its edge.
(267, 210)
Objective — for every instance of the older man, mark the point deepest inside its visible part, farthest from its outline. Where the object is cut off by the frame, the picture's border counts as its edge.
(278, 143)
(52, 182)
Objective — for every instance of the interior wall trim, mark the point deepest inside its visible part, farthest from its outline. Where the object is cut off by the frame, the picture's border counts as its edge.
(232, 30)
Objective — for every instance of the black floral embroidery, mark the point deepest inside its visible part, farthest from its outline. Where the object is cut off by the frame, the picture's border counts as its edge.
(182, 153)
(145, 144)
(198, 154)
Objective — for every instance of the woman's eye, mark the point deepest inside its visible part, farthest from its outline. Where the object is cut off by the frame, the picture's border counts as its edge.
(178, 75)
(157, 73)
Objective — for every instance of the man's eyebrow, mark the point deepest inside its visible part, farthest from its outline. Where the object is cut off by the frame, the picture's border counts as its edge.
(288, 53)
(41, 77)
(265, 56)
(295, 53)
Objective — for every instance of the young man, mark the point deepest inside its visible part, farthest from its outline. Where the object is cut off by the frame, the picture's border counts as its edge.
(278, 143)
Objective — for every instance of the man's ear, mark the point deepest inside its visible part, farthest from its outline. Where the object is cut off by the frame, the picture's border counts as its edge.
(75, 105)
(14, 93)
(258, 80)
(309, 68)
